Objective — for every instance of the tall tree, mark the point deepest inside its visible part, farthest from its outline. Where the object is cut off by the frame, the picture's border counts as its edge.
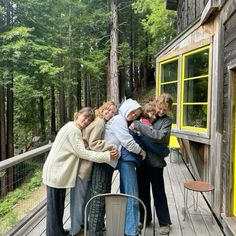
(113, 91)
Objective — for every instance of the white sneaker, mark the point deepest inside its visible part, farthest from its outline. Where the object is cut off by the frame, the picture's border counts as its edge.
(164, 230)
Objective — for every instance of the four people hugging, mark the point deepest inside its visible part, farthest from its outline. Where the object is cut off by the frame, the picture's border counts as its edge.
(86, 152)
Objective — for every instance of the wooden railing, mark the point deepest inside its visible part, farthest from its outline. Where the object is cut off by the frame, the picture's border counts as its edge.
(22, 206)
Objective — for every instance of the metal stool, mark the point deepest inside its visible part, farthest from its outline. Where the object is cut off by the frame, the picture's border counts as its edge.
(196, 186)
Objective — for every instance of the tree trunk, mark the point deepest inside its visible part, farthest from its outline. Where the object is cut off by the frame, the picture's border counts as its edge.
(2, 139)
(98, 95)
(42, 119)
(52, 111)
(78, 91)
(85, 90)
(122, 84)
(42, 131)
(62, 116)
(114, 79)
(10, 135)
(69, 86)
(88, 95)
(131, 43)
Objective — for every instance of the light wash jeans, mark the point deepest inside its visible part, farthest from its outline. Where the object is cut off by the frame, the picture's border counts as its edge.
(77, 204)
(128, 185)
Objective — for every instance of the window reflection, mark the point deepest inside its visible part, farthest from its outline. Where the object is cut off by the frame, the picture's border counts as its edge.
(196, 90)
(169, 71)
(171, 89)
(195, 116)
(197, 64)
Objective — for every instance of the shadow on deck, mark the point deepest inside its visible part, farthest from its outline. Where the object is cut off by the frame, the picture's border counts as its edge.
(197, 222)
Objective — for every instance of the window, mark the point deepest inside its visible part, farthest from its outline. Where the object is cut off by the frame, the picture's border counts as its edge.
(194, 100)
(192, 112)
(169, 81)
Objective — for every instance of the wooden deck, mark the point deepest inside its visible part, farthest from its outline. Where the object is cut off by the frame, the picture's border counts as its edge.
(197, 223)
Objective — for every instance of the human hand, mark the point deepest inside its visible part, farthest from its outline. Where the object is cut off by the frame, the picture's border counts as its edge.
(114, 154)
(143, 154)
(132, 128)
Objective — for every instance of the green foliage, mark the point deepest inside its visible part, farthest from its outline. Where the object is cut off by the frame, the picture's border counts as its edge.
(48, 40)
(124, 52)
(20, 193)
(158, 22)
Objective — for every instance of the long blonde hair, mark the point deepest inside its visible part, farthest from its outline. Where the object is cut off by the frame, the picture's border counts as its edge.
(104, 106)
(165, 100)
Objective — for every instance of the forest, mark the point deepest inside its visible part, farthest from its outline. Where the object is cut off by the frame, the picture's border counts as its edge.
(57, 56)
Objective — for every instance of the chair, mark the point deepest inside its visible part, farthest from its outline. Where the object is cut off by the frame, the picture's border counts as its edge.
(196, 187)
(115, 210)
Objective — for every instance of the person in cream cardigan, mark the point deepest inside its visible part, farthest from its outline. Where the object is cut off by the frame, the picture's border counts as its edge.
(62, 166)
(93, 136)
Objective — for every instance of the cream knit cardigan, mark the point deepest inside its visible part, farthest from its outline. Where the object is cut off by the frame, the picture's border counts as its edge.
(93, 136)
(61, 167)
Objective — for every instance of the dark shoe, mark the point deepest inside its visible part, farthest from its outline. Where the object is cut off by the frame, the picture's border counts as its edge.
(164, 230)
(140, 226)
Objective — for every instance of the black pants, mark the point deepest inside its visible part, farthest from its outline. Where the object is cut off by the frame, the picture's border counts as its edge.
(153, 175)
(55, 211)
(100, 183)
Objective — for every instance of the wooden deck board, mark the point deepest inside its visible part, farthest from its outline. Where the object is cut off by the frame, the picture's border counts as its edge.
(198, 223)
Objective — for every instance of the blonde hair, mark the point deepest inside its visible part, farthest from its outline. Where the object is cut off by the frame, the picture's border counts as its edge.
(165, 100)
(88, 111)
(148, 107)
(104, 106)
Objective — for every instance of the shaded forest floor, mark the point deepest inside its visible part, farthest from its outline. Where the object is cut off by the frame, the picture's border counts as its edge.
(145, 96)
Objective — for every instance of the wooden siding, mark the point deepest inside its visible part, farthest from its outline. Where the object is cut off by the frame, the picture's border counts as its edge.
(228, 132)
(188, 11)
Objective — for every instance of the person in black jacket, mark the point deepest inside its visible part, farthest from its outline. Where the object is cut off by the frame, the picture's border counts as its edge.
(150, 170)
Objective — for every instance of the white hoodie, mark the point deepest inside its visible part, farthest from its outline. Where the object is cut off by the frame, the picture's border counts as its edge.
(118, 127)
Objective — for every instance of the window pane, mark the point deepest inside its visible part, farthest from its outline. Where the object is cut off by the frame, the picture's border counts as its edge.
(195, 90)
(169, 71)
(171, 89)
(195, 115)
(196, 64)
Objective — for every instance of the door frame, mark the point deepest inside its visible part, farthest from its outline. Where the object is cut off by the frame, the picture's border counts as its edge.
(231, 196)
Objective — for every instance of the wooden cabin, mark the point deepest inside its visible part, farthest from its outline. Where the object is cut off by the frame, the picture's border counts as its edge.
(199, 69)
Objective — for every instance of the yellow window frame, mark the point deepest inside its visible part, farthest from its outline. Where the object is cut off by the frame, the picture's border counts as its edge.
(174, 125)
(182, 90)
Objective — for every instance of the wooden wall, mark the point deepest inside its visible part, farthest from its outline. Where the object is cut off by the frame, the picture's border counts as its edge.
(229, 107)
(188, 11)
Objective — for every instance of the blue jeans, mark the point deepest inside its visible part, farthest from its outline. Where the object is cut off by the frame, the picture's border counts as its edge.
(77, 204)
(128, 185)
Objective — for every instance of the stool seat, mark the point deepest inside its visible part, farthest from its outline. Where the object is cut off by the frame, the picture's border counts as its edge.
(198, 186)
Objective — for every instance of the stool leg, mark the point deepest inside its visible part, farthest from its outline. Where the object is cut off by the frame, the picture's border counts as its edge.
(196, 201)
(185, 202)
(212, 205)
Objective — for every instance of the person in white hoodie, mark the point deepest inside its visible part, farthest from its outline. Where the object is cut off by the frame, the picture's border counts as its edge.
(62, 167)
(128, 111)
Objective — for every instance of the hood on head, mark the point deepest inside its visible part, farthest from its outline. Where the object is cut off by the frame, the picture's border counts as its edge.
(127, 106)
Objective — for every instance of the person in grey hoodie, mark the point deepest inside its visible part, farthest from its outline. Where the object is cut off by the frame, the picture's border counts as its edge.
(128, 111)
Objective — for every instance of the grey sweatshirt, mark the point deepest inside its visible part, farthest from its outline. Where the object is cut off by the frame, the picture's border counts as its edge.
(118, 128)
